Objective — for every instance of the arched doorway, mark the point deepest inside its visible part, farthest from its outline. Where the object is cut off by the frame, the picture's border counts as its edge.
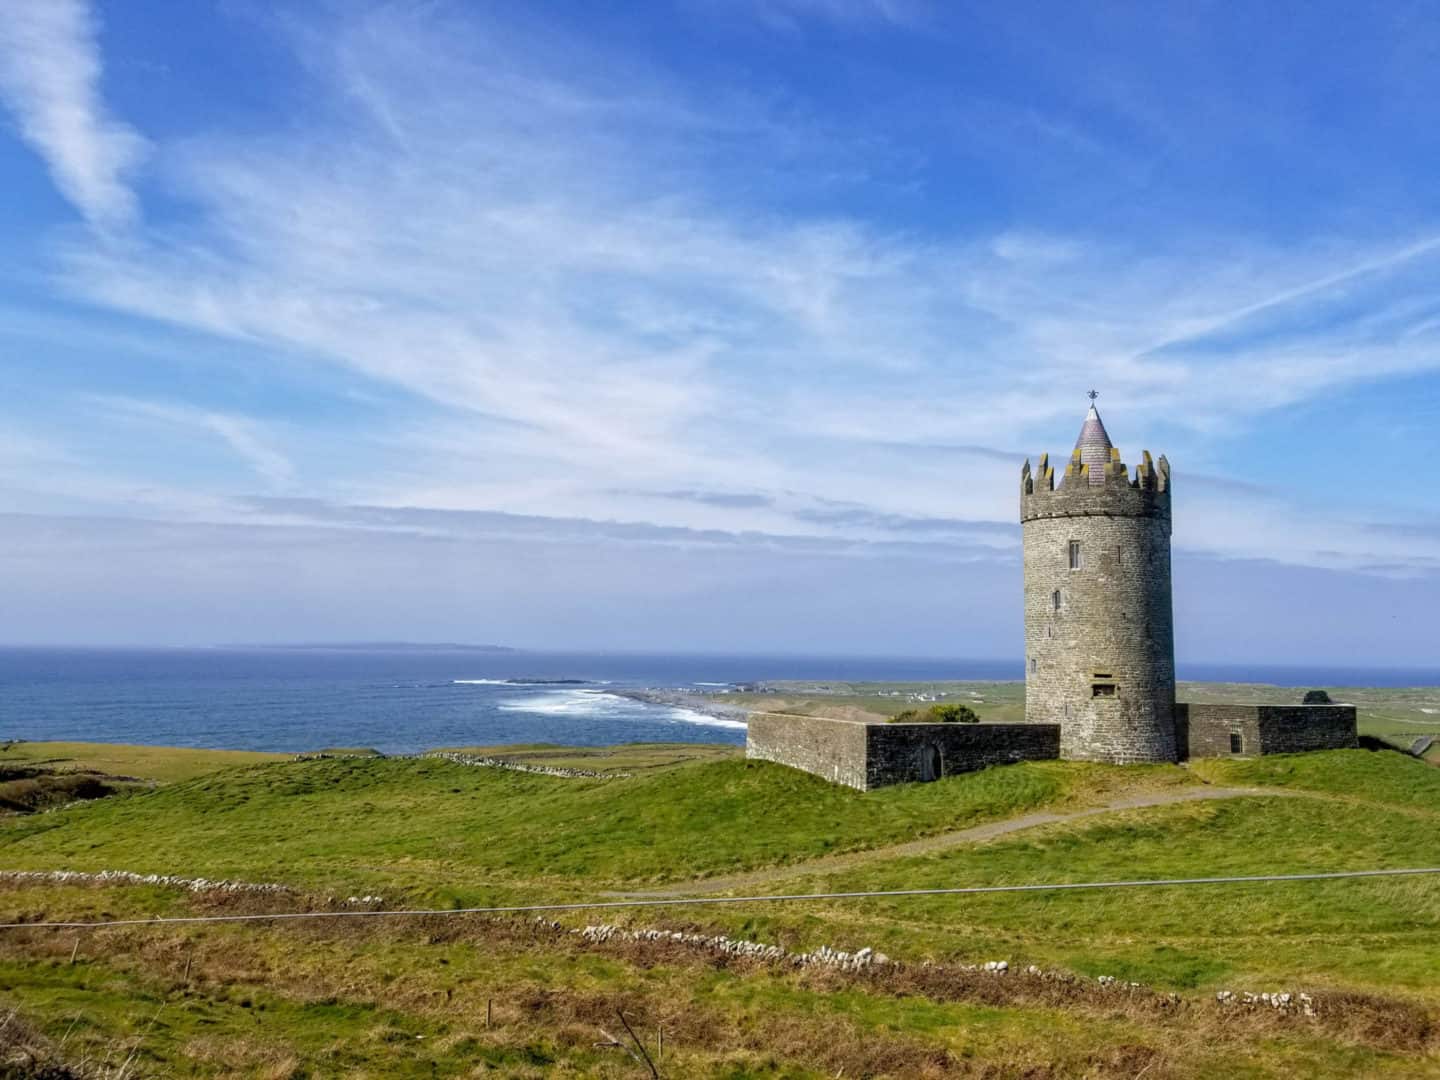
(930, 765)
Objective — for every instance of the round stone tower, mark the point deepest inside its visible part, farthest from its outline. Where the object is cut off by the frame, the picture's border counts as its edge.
(1099, 632)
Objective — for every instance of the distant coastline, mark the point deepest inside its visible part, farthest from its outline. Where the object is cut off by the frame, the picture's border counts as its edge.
(369, 646)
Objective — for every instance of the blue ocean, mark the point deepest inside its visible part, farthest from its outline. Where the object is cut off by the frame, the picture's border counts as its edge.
(411, 700)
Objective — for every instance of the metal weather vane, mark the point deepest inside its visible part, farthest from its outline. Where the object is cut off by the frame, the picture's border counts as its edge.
(1092, 395)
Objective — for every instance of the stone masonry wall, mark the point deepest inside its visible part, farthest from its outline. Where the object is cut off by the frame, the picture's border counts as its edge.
(1113, 627)
(867, 755)
(1206, 730)
(898, 752)
(1293, 729)
(834, 749)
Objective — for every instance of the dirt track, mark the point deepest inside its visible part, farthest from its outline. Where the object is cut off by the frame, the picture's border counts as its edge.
(944, 841)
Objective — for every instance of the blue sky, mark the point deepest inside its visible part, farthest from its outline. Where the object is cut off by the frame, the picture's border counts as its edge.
(709, 324)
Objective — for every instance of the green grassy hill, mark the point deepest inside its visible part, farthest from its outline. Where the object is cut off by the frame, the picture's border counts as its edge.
(408, 998)
(163, 763)
(423, 825)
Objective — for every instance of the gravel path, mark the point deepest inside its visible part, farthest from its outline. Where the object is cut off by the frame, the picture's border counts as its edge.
(945, 841)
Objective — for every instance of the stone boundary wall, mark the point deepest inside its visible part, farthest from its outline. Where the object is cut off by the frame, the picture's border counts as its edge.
(470, 759)
(833, 749)
(1206, 730)
(897, 753)
(869, 755)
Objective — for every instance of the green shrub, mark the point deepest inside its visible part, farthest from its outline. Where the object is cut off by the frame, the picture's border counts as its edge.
(1316, 697)
(953, 714)
(937, 714)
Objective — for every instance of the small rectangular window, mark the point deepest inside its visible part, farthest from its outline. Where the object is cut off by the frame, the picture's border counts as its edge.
(1102, 689)
(1055, 599)
(1237, 743)
(1075, 562)
(1032, 665)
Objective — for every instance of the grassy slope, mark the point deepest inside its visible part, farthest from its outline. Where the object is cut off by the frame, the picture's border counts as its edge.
(1376, 777)
(1378, 934)
(430, 825)
(164, 763)
(450, 833)
(377, 1001)
(351, 1003)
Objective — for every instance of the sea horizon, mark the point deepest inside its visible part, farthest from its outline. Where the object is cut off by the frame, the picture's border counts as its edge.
(412, 699)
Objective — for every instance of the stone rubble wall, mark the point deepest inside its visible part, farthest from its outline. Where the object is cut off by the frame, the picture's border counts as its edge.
(867, 958)
(520, 766)
(172, 881)
(824, 956)
(719, 944)
(476, 760)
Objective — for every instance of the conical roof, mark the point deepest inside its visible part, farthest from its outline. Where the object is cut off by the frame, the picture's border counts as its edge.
(1094, 446)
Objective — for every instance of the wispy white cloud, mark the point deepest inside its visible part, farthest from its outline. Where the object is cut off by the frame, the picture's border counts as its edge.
(553, 262)
(245, 437)
(1328, 283)
(50, 79)
(792, 15)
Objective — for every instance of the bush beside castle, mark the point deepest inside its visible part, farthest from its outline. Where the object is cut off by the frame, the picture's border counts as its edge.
(937, 714)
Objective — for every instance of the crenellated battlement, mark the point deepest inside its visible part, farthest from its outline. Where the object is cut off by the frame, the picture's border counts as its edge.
(1113, 492)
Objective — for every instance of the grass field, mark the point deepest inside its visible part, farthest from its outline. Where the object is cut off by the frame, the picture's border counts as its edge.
(461, 833)
(163, 763)
(408, 998)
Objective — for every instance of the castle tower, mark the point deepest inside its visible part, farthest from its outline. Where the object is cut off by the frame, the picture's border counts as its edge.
(1099, 633)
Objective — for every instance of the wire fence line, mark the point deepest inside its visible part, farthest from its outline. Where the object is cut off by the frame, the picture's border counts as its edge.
(691, 901)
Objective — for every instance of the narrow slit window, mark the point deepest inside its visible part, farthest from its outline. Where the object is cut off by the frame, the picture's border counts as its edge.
(1075, 560)
(1033, 665)
(1055, 599)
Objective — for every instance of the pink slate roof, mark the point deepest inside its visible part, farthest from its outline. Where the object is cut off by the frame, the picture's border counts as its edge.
(1094, 446)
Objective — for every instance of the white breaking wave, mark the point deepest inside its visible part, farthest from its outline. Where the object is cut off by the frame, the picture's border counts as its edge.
(480, 682)
(598, 704)
(690, 716)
